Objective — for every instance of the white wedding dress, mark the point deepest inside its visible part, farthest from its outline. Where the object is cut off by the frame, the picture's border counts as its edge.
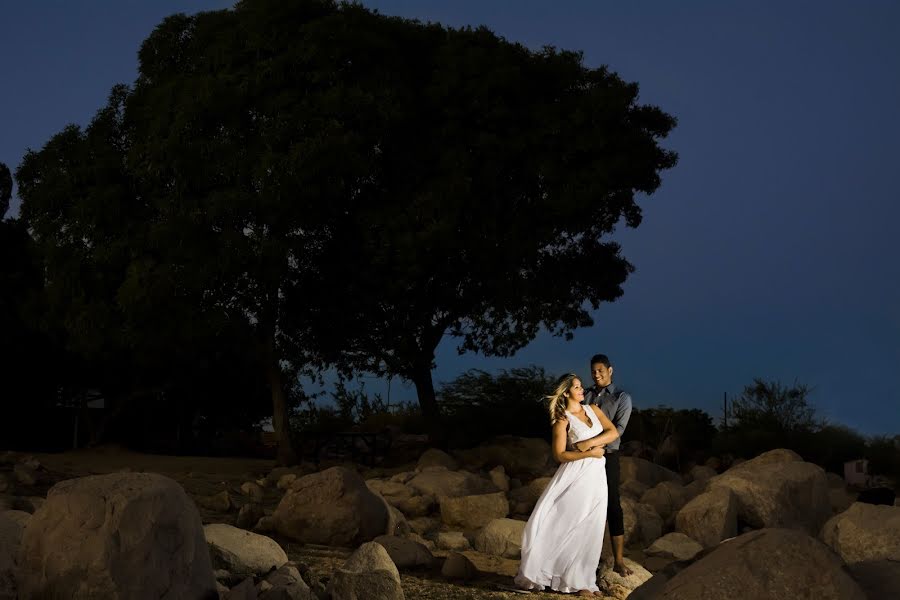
(564, 536)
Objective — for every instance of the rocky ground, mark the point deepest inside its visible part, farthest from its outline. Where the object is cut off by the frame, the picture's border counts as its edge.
(203, 477)
(447, 526)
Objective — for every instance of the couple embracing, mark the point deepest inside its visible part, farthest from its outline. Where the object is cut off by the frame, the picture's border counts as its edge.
(563, 539)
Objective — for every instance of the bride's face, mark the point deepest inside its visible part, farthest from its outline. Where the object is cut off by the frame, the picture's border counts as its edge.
(576, 392)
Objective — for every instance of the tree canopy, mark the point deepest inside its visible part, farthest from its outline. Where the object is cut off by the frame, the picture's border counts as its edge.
(316, 184)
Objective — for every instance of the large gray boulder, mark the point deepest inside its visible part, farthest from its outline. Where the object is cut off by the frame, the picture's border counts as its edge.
(867, 538)
(436, 458)
(368, 573)
(523, 499)
(472, 512)
(778, 493)
(709, 518)
(242, 552)
(333, 508)
(646, 472)
(765, 564)
(642, 524)
(501, 537)
(118, 536)
(437, 482)
(666, 498)
(676, 546)
(406, 553)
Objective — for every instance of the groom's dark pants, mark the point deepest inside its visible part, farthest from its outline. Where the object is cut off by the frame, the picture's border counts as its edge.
(614, 508)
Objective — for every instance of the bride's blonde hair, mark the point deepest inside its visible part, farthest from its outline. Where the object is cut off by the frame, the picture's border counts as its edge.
(557, 401)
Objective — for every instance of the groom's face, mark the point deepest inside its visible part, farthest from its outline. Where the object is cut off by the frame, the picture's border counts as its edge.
(601, 374)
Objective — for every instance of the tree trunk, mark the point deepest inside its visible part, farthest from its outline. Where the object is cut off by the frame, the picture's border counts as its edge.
(280, 418)
(421, 377)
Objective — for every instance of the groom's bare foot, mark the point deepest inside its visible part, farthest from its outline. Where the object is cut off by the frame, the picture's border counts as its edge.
(622, 570)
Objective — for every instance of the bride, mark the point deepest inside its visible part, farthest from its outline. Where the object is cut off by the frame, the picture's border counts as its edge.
(564, 536)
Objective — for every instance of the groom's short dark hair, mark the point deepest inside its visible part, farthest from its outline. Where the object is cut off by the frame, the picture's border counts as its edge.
(602, 359)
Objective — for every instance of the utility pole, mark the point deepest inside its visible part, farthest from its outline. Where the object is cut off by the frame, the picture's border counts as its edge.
(725, 410)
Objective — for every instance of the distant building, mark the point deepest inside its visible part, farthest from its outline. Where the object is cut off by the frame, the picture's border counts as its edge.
(856, 472)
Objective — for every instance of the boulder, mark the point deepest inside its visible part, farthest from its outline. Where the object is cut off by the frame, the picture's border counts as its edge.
(867, 538)
(391, 490)
(523, 458)
(709, 518)
(767, 563)
(778, 456)
(437, 483)
(117, 536)
(436, 458)
(501, 537)
(472, 512)
(775, 492)
(249, 515)
(368, 573)
(220, 502)
(666, 498)
(253, 490)
(522, 499)
(646, 472)
(424, 525)
(674, 545)
(397, 523)
(633, 488)
(12, 525)
(406, 553)
(287, 584)
(415, 506)
(701, 473)
(499, 478)
(864, 532)
(839, 499)
(459, 566)
(642, 524)
(452, 540)
(333, 508)
(241, 552)
(618, 587)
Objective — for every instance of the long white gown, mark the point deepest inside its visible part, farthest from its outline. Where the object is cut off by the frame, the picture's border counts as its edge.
(564, 536)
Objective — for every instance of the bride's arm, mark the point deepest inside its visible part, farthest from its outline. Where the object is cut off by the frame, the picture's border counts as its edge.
(560, 454)
(609, 434)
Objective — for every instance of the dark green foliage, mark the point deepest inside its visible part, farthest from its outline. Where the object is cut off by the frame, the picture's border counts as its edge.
(31, 363)
(883, 453)
(769, 415)
(478, 405)
(769, 405)
(690, 432)
(5, 189)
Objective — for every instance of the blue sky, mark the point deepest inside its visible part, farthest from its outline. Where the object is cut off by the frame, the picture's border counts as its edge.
(772, 250)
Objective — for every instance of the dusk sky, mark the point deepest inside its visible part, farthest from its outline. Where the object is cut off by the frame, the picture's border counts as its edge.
(771, 250)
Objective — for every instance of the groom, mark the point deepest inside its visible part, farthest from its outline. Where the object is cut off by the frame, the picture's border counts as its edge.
(616, 405)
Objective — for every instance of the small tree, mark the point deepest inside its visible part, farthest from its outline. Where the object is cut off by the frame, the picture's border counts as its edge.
(769, 405)
(478, 404)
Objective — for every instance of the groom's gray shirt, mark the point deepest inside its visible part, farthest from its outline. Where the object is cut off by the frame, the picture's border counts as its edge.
(616, 405)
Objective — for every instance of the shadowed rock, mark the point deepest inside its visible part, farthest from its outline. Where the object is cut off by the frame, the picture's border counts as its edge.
(118, 536)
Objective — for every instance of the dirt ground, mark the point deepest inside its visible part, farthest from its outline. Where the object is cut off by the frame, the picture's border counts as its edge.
(205, 476)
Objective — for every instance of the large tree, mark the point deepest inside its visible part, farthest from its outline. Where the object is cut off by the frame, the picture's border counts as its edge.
(424, 180)
(500, 173)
